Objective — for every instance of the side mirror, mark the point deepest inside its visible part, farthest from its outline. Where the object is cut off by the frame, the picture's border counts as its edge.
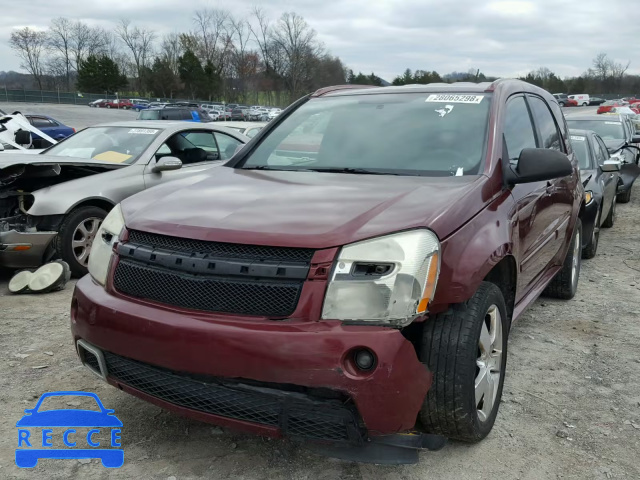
(166, 164)
(23, 137)
(537, 164)
(1, 147)
(610, 166)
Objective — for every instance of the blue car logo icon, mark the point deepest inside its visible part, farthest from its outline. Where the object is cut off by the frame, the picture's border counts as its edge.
(31, 447)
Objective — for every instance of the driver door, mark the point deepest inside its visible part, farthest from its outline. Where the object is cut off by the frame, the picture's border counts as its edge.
(197, 150)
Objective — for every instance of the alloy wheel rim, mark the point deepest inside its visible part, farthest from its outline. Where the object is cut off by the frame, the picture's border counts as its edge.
(83, 237)
(488, 363)
(576, 259)
(596, 228)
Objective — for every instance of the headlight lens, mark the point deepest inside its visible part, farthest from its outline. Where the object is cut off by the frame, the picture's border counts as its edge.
(588, 196)
(102, 247)
(385, 280)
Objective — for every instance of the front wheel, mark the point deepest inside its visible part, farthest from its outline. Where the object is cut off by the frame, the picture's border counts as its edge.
(590, 249)
(565, 284)
(584, 104)
(466, 349)
(611, 217)
(74, 240)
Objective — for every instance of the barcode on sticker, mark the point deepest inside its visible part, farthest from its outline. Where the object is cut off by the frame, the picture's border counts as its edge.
(143, 131)
(579, 139)
(438, 97)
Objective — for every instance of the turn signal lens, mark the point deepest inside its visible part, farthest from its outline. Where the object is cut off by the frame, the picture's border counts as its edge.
(588, 197)
(430, 284)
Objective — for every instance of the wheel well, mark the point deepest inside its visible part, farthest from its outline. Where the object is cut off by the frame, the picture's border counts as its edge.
(505, 276)
(106, 205)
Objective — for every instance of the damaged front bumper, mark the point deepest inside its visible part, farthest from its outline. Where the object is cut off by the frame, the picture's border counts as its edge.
(23, 249)
(269, 378)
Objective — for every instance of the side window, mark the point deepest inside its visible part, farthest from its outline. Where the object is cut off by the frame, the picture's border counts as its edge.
(203, 140)
(597, 151)
(163, 151)
(603, 149)
(518, 129)
(190, 147)
(549, 135)
(40, 122)
(227, 144)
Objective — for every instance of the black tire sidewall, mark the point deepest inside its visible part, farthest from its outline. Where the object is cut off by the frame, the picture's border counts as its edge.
(569, 260)
(494, 298)
(65, 236)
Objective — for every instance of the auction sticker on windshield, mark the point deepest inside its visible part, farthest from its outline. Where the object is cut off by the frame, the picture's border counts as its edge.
(579, 139)
(143, 131)
(454, 98)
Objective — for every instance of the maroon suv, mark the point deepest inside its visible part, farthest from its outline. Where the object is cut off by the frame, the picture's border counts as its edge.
(359, 285)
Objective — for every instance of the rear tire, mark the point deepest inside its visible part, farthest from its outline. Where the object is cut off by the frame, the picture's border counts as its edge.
(453, 348)
(624, 197)
(611, 217)
(73, 242)
(565, 284)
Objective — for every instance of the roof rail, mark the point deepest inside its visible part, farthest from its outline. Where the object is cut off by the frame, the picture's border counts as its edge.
(323, 91)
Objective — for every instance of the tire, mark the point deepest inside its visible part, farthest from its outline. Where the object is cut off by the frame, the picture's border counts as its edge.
(108, 106)
(562, 104)
(565, 284)
(589, 251)
(450, 349)
(585, 104)
(611, 217)
(63, 242)
(624, 197)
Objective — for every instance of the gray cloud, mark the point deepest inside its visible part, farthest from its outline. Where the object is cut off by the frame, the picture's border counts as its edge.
(501, 37)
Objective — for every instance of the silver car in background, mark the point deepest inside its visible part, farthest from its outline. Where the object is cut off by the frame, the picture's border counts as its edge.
(52, 204)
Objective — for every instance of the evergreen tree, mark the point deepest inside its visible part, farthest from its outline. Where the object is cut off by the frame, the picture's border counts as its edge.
(100, 74)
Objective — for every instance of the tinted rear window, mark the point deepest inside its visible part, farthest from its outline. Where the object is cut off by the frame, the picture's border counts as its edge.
(149, 115)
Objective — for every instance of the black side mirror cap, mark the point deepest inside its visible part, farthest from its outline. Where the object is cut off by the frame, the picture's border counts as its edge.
(538, 164)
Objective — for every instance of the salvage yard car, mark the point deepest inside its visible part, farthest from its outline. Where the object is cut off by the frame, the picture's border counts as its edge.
(621, 140)
(599, 174)
(355, 292)
(52, 204)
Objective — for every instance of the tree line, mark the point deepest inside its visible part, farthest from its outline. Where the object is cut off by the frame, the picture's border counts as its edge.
(605, 76)
(221, 57)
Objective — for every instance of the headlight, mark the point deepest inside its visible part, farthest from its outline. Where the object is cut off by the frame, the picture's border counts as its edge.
(588, 196)
(102, 247)
(385, 280)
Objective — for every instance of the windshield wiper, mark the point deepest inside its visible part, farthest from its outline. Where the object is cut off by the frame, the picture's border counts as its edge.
(357, 171)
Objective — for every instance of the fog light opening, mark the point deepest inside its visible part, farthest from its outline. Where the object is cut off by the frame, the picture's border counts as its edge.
(364, 359)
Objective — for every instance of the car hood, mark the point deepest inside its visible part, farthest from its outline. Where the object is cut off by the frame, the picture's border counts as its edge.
(303, 209)
(9, 159)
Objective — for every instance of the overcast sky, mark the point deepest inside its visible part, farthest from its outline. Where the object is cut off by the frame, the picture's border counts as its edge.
(502, 38)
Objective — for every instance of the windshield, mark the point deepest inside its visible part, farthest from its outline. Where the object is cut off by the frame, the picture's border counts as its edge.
(149, 115)
(608, 130)
(580, 147)
(407, 133)
(112, 144)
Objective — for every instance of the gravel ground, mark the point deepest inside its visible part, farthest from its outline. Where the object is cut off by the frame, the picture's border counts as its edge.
(571, 407)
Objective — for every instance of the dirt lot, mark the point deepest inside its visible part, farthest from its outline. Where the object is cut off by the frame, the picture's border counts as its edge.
(571, 407)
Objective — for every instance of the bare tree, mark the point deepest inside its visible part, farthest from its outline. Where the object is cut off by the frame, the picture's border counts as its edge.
(30, 45)
(212, 36)
(171, 50)
(86, 41)
(602, 66)
(60, 38)
(140, 42)
(298, 42)
(242, 60)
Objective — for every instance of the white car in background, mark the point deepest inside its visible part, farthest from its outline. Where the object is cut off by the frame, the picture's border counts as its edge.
(273, 113)
(249, 129)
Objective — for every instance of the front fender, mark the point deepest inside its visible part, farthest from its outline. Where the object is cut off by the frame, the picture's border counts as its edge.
(470, 253)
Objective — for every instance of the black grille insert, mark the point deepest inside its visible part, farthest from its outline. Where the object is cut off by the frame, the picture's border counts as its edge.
(218, 249)
(294, 413)
(207, 293)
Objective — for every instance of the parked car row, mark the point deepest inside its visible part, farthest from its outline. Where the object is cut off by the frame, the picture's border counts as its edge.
(577, 100)
(392, 271)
